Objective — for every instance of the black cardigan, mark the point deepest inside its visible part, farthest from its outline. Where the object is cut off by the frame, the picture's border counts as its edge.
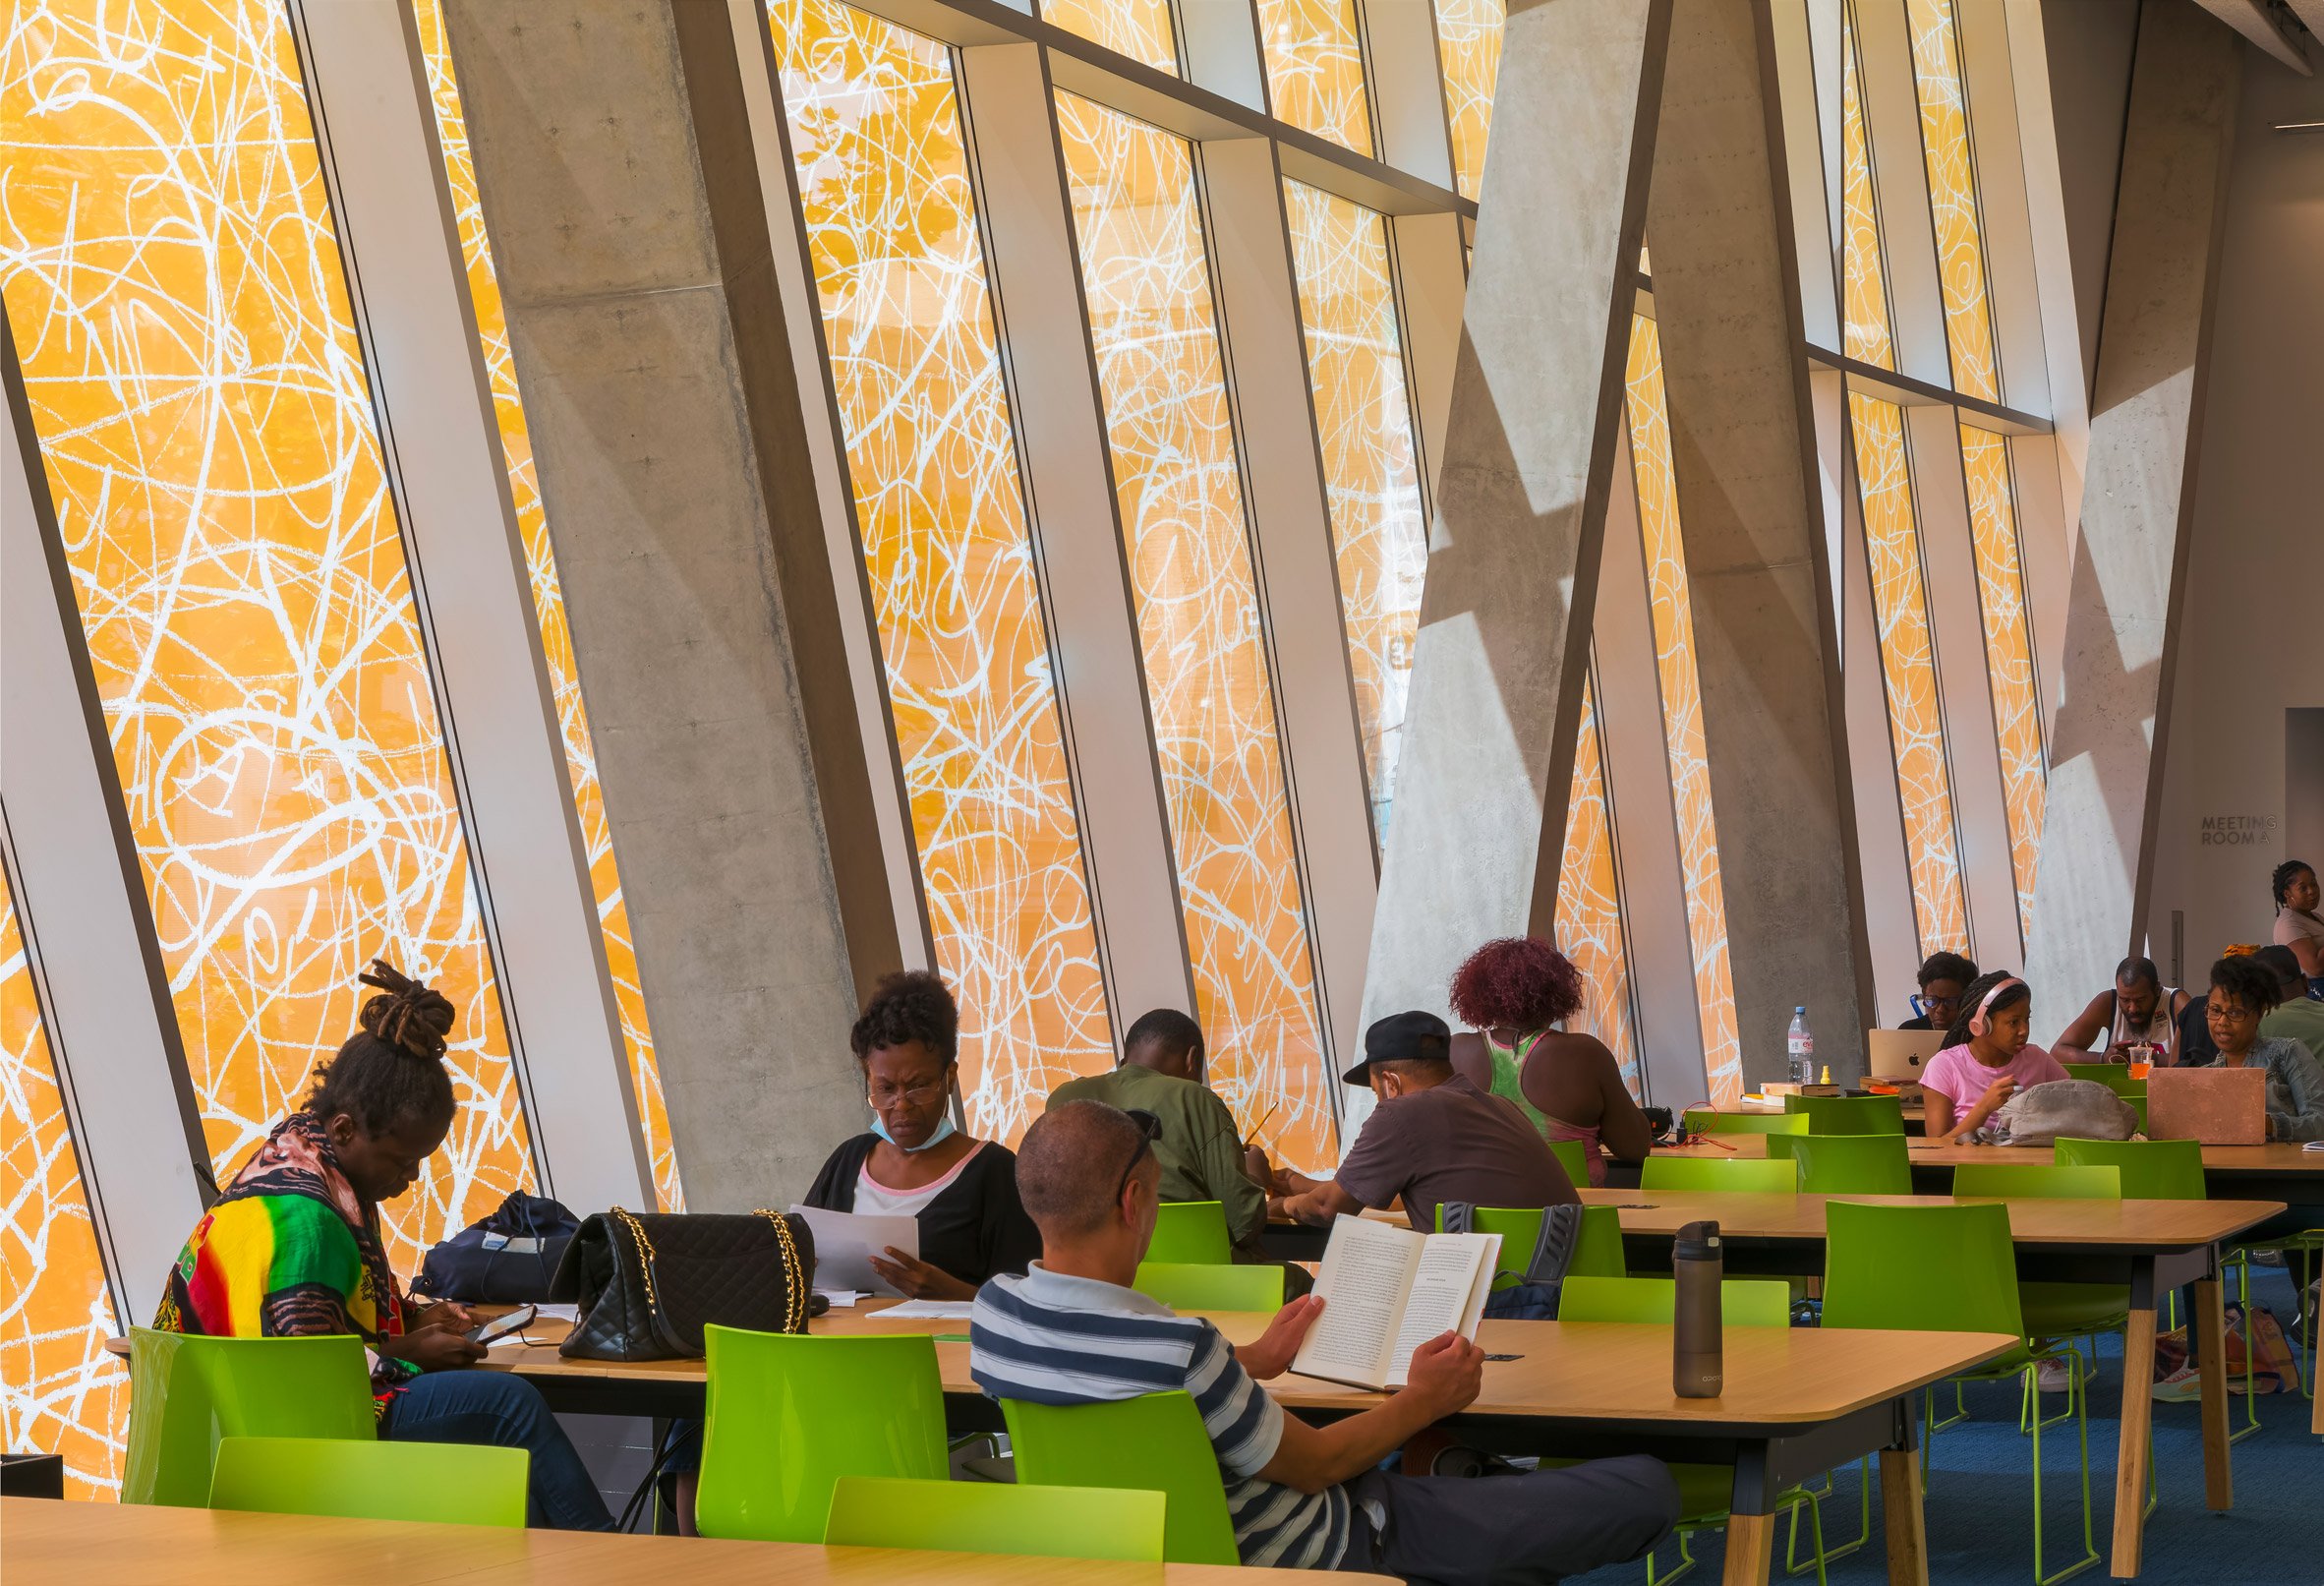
(975, 1228)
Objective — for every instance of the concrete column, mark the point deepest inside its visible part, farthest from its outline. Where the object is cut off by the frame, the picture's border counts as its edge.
(618, 185)
(1520, 500)
(1736, 380)
(2129, 564)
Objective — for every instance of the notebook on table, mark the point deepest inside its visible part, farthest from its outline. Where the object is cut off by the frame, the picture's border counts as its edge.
(2217, 1106)
(1900, 1054)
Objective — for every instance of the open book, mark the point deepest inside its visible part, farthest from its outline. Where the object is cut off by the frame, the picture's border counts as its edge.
(1386, 1291)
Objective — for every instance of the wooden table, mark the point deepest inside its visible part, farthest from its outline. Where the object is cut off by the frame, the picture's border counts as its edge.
(2148, 1246)
(1798, 1402)
(49, 1543)
(2275, 1172)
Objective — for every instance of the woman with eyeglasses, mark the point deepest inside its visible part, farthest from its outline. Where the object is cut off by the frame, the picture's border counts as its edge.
(917, 1161)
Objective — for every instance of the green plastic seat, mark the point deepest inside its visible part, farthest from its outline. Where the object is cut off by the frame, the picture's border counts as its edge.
(1849, 1115)
(1190, 1233)
(1598, 1252)
(1574, 1157)
(2151, 1169)
(2116, 1077)
(790, 1414)
(1044, 1522)
(447, 1483)
(1742, 1175)
(1847, 1165)
(1155, 1442)
(185, 1393)
(1703, 1121)
(1211, 1288)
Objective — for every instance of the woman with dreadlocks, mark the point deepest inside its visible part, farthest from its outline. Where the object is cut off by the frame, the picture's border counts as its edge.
(292, 1250)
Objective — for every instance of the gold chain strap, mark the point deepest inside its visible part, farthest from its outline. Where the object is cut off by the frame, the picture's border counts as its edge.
(795, 1298)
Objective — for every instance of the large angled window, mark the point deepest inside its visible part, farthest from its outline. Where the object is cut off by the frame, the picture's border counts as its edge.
(908, 319)
(172, 277)
(1138, 29)
(1468, 50)
(556, 639)
(1170, 431)
(1589, 921)
(1315, 68)
(1363, 419)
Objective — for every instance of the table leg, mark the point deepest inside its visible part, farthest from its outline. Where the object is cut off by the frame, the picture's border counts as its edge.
(2138, 1409)
(1902, 1516)
(1751, 1550)
(2219, 1481)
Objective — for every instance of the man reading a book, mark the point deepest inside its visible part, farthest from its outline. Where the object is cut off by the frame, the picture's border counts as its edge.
(1434, 1136)
(1074, 1332)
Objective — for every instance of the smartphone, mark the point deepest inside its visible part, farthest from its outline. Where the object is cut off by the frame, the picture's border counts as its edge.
(484, 1332)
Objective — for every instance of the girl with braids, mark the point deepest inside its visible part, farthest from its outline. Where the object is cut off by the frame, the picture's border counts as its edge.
(292, 1250)
(1516, 993)
(2297, 924)
(1988, 1057)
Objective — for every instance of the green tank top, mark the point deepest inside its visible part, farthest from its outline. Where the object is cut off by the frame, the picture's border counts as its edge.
(1507, 1061)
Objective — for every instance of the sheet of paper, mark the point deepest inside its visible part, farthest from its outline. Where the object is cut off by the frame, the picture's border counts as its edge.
(929, 1311)
(1438, 1300)
(841, 1298)
(847, 1241)
(560, 1312)
(1361, 1281)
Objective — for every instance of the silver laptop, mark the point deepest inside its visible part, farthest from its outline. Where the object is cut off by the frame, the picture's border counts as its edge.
(1900, 1054)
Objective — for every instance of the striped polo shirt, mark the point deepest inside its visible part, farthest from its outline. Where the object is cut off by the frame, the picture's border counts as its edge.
(1055, 1339)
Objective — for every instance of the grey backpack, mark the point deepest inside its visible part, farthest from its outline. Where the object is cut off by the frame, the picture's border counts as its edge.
(2082, 1109)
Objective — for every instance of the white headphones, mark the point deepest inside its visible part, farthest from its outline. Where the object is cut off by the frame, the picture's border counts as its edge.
(1979, 1025)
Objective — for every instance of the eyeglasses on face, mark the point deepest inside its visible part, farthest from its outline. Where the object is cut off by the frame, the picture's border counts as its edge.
(917, 1095)
(1149, 1131)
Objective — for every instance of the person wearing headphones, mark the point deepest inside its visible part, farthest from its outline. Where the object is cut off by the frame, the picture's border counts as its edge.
(1987, 1058)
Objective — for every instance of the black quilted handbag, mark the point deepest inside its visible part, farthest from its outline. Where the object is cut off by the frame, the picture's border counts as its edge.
(647, 1285)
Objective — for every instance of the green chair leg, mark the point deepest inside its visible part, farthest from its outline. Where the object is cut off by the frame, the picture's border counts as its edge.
(1793, 1564)
(2077, 1395)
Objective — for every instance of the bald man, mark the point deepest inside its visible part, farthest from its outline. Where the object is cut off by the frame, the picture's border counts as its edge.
(1072, 1330)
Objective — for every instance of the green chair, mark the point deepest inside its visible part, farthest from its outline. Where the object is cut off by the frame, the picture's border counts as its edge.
(1190, 1233)
(1574, 1157)
(1155, 1442)
(2054, 1309)
(1849, 1115)
(1704, 1490)
(449, 1483)
(1950, 1269)
(1598, 1252)
(1703, 1121)
(1742, 1175)
(790, 1414)
(1211, 1288)
(1042, 1522)
(2116, 1077)
(1846, 1164)
(185, 1393)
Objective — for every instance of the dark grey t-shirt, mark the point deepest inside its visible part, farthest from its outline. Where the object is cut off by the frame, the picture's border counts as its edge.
(1452, 1142)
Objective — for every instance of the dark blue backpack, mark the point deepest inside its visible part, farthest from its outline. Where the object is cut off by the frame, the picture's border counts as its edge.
(506, 1258)
(1534, 1295)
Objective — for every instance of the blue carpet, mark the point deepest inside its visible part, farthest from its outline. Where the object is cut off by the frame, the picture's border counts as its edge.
(1980, 1504)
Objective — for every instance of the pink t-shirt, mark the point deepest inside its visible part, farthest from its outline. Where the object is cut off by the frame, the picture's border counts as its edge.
(1957, 1074)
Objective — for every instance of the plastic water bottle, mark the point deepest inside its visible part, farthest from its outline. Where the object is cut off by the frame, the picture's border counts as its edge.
(1802, 1046)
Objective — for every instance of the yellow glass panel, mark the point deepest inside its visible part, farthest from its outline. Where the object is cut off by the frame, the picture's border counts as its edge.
(1138, 224)
(1952, 195)
(173, 280)
(1908, 667)
(1864, 292)
(1371, 474)
(60, 1393)
(556, 639)
(892, 233)
(1138, 28)
(1315, 68)
(1588, 920)
(1682, 710)
(1468, 50)
(2008, 652)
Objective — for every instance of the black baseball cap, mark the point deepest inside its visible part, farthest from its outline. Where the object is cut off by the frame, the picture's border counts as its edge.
(1406, 1037)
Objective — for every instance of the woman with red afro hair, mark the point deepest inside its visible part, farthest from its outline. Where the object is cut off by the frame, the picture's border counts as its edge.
(1514, 992)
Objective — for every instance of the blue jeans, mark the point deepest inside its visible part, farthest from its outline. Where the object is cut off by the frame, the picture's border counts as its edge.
(505, 1412)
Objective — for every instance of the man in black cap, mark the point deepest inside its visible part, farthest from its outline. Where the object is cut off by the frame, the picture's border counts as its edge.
(1434, 1136)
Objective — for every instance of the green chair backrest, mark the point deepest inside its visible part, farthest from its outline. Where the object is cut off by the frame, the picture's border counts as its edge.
(1849, 1115)
(449, 1483)
(2116, 1077)
(1943, 1269)
(1573, 1158)
(185, 1393)
(2151, 1169)
(1597, 1252)
(1847, 1165)
(1743, 1302)
(2038, 1181)
(1190, 1233)
(1046, 1522)
(1211, 1288)
(1703, 1121)
(1155, 1442)
(790, 1414)
(1741, 1175)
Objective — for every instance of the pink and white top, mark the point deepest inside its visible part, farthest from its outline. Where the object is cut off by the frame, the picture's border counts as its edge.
(874, 1198)
(1955, 1074)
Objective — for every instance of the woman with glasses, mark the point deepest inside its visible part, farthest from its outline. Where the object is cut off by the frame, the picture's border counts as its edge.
(917, 1161)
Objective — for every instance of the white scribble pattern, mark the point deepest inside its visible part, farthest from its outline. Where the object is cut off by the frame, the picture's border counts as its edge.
(1138, 28)
(1588, 926)
(1952, 195)
(1371, 474)
(2008, 653)
(1138, 224)
(172, 279)
(1315, 68)
(1468, 52)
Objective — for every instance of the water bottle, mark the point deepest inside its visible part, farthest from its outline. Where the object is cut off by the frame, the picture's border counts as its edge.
(1802, 1047)
(1698, 1364)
